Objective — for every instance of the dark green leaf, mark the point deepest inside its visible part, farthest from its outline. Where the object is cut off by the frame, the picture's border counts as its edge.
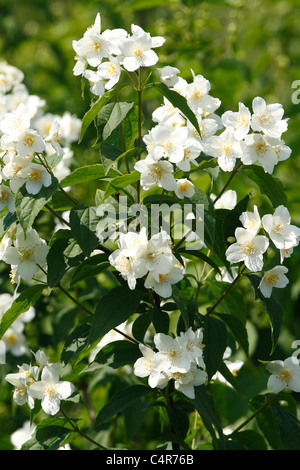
(113, 309)
(272, 306)
(28, 205)
(120, 401)
(116, 354)
(83, 222)
(20, 305)
(215, 337)
(267, 184)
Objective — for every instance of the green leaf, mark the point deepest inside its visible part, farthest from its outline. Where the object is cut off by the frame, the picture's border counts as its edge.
(75, 342)
(110, 154)
(28, 205)
(83, 223)
(20, 305)
(198, 254)
(120, 401)
(64, 253)
(118, 113)
(266, 421)
(116, 354)
(267, 184)
(237, 329)
(215, 337)
(120, 182)
(49, 435)
(272, 307)
(113, 309)
(91, 114)
(178, 101)
(289, 427)
(87, 270)
(181, 305)
(204, 404)
(86, 173)
(209, 215)
(251, 440)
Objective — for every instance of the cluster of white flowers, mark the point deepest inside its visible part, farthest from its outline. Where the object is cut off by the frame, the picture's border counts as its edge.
(41, 382)
(179, 359)
(138, 257)
(27, 132)
(101, 56)
(250, 246)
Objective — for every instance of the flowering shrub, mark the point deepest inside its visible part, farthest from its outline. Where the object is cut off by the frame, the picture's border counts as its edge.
(166, 255)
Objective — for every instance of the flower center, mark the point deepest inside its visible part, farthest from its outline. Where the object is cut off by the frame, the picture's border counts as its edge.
(272, 279)
(137, 51)
(226, 147)
(50, 390)
(248, 248)
(4, 196)
(29, 141)
(184, 186)
(34, 176)
(285, 375)
(163, 278)
(26, 253)
(156, 173)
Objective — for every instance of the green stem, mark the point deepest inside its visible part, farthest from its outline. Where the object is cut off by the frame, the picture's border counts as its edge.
(139, 92)
(82, 434)
(211, 310)
(259, 410)
(235, 170)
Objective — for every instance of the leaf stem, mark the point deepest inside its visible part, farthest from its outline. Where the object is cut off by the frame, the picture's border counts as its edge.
(81, 433)
(259, 410)
(235, 170)
(226, 292)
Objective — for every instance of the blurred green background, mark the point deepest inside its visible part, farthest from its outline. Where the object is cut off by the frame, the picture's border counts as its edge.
(246, 49)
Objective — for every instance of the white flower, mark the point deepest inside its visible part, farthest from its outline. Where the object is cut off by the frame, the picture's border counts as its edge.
(166, 114)
(167, 142)
(185, 382)
(168, 75)
(226, 201)
(123, 264)
(197, 95)
(172, 356)
(278, 226)
(55, 137)
(284, 374)
(192, 343)
(156, 256)
(35, 176)
(239, 121)
(268, 118)
(225, 147)
(70, 126)
(162, 284)
(27, 253)
(143, 367)
(97, 83)
(137, 49)
(262, 149)
(22, 435)
(29, 142)
(21, 381)
(93, 47)
(248, 248)
(251, 220)
(185, 188)
(110, 71)
(15, 123)
(154, 173)
(14, 341)
(50, 390)
(7, 198)
(275, 277)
